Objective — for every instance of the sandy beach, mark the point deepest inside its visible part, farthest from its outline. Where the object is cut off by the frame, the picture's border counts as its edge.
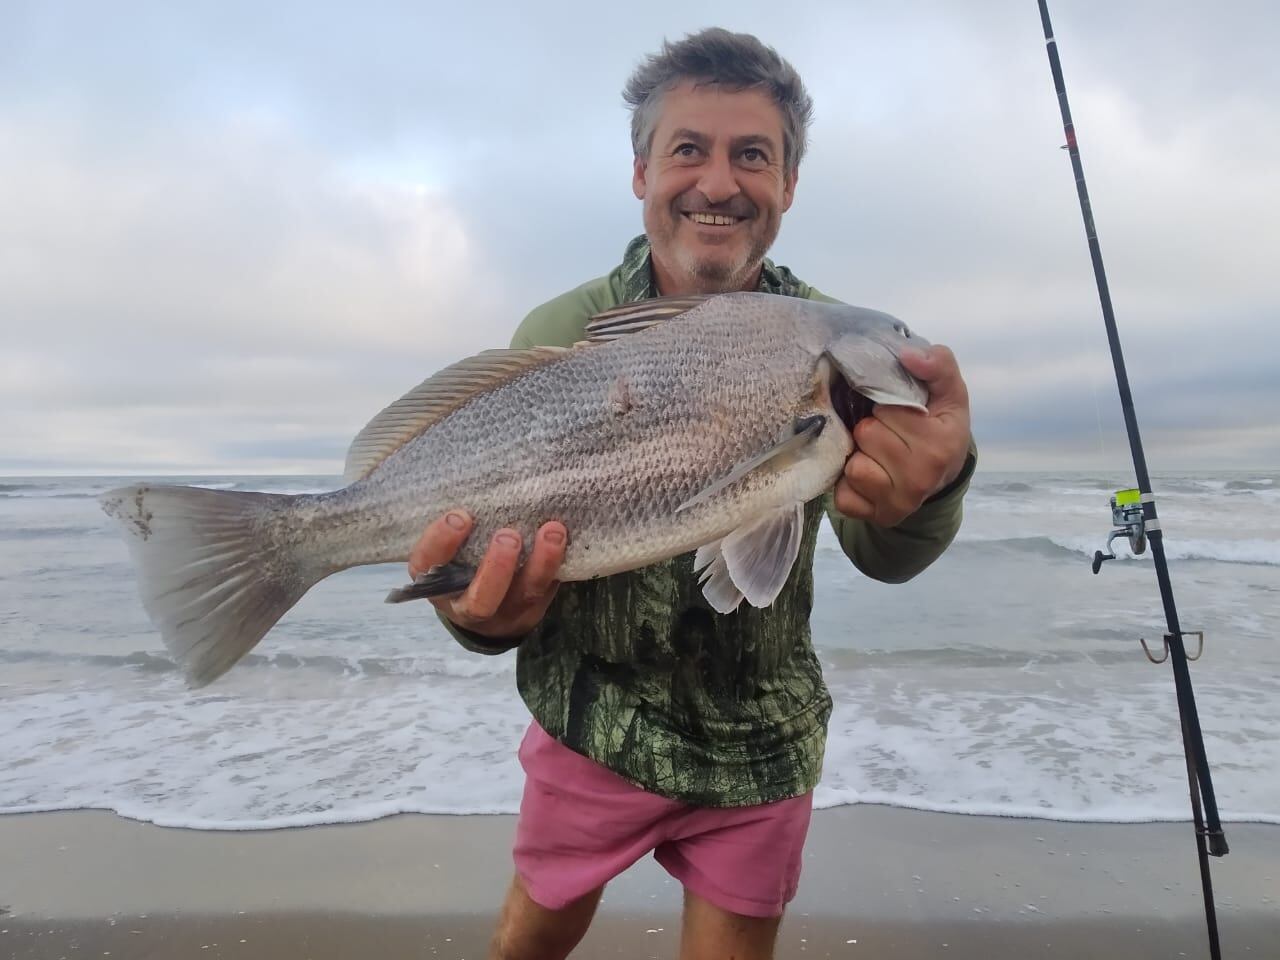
(879, 882)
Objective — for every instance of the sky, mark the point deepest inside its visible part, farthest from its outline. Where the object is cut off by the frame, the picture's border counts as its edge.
(230, 232)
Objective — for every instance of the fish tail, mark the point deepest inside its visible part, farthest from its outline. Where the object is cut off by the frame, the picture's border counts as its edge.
(216, 568)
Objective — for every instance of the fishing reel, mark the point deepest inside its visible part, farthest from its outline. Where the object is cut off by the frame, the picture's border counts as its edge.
(1126, 514)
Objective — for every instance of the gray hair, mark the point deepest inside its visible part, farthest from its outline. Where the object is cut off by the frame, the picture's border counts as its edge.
(737, 61)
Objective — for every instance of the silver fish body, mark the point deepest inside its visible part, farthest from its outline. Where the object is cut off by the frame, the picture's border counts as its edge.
(706, 430)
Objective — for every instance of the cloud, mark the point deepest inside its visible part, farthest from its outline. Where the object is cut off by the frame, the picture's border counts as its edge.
(216, 271)
(233, 234)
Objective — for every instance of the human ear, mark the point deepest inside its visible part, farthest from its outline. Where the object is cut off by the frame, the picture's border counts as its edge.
(789, 189)
(638, 184)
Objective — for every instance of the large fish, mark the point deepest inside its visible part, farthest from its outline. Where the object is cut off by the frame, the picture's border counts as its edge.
(677, 424)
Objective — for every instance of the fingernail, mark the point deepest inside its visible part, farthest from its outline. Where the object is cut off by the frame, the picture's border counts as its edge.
(508, 540)
(456, 519)
(554, 537)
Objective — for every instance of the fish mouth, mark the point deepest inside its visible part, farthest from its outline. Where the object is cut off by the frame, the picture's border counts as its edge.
(850, 405)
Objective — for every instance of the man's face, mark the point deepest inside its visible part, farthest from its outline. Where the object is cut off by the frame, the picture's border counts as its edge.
(714, 188)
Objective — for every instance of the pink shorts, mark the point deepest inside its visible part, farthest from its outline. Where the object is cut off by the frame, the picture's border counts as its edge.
(581, 825)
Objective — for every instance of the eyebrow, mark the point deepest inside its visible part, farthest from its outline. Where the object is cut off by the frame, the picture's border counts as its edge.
(684, 133)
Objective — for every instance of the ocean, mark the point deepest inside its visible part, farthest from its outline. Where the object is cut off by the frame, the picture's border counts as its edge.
(1007, 679)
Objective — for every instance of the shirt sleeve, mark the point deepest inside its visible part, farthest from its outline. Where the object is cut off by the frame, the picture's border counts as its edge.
(475, 643)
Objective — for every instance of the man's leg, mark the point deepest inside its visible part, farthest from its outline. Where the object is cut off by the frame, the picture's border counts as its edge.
(709, 932)
(529, 931)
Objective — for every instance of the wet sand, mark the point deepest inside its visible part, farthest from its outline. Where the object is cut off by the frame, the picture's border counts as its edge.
(878, 882)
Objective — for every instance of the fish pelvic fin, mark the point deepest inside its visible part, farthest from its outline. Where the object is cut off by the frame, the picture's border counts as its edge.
(717, 586)
(211, 575)
(434, 399)
(437, 582)
(752, 562)
(803, 432)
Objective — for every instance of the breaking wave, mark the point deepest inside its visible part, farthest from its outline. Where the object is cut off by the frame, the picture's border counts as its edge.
(1252, 551)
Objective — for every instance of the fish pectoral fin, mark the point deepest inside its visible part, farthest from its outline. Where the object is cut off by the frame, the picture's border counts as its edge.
(436, 582)
(641, 315)
(753, 561)
(804, 431)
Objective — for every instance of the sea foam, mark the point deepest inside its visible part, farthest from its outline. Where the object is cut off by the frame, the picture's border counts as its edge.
(1004, 680)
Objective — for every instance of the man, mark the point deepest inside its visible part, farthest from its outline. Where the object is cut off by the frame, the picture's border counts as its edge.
(660, 725)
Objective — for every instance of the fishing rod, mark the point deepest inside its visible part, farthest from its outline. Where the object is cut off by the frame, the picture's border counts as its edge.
(1135, 513)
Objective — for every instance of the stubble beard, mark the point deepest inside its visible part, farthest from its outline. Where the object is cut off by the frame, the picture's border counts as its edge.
(712, 274)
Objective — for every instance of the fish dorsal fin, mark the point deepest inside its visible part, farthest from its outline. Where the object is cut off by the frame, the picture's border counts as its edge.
(641, 315)
(433, 399)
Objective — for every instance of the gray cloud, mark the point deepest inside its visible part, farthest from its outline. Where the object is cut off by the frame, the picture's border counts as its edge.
(231, 234)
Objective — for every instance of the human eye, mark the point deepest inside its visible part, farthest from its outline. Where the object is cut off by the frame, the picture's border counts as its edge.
(686, 149)
(754, 157)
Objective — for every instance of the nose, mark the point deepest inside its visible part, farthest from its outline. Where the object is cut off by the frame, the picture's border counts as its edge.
(718, 182)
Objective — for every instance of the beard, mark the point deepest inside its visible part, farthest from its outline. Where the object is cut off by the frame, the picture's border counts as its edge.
(723, 268)
(718, 273)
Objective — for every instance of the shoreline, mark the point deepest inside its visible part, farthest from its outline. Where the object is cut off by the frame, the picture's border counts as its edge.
(324, 820)
(878, 881)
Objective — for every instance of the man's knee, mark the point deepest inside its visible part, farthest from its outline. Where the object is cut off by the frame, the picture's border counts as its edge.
(711, 932)
(529, 931)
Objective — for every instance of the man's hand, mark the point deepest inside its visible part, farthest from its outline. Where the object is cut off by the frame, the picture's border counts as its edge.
(901, 456)
(505, 600)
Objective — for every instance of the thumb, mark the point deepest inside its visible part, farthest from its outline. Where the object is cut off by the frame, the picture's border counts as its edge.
(938, 369)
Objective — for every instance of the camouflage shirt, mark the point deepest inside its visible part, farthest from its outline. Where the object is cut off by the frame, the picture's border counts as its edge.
(637, 672)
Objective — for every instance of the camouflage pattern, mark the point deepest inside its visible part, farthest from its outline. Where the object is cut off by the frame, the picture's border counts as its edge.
(637, 672)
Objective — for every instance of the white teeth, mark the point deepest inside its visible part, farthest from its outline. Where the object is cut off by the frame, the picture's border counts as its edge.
(713, 219)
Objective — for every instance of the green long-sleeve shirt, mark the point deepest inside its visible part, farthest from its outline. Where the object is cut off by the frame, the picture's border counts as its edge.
(639, 673)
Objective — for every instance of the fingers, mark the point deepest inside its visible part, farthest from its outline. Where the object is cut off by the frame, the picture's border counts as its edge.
(439, 542)
(851, 503)
(537, 578)
(482, 599)
(886, 435)
(867, 491)
(505, 597)
(895, 466)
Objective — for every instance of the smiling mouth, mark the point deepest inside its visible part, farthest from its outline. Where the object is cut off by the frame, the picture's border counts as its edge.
(714, 219)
